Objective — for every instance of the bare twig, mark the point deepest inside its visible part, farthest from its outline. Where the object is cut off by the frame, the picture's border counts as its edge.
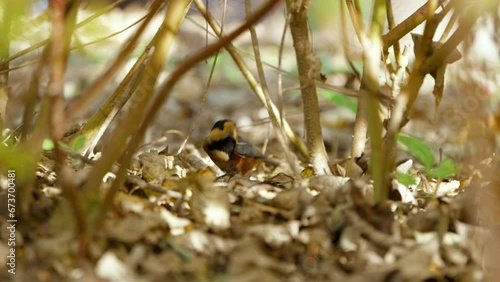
(357, 20)
(280, 69)
(449, 27)
(101, 39)
(392, 25)
(441, 55)
(418, 17)
(280, 134)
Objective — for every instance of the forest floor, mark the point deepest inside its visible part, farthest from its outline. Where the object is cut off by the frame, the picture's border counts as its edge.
(175, 219)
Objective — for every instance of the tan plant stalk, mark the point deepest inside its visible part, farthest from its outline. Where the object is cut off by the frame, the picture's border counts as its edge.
(309, 68)
(368, 117)
(371, 59)
(361, 123)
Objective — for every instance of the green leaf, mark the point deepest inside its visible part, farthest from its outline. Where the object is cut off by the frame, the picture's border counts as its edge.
(341, 100)
(418, 148)
(406, 179)
(19, 160)
(79, 143)
(444, 170)
(48, 144)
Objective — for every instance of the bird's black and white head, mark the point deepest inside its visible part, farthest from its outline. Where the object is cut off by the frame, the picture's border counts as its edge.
(220, 144)
(223, 129)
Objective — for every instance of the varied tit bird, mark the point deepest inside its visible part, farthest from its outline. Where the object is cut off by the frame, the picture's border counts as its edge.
(230, 152)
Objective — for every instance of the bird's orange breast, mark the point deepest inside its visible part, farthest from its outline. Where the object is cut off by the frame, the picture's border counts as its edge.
(230, 163)
(244, 164)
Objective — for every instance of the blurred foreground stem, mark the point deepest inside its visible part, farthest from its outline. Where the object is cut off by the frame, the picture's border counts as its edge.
(128, 125)
(368, 116)
(5, 27)
(371, 59)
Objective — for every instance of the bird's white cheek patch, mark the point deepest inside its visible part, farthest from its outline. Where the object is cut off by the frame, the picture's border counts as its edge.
(219, 155)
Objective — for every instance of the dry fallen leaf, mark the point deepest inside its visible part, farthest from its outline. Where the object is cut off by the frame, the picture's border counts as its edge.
(209, 204)
(110, 267)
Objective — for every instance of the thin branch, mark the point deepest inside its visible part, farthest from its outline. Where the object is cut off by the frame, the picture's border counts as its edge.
(280, 134)
(357, 20)
(76, 47)
(449, 27)
(96, 126)
(422, 48)
(418, 17)
(392, 25)
(81, 103)
(441, 55)
(79, 25)
(280, 69)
